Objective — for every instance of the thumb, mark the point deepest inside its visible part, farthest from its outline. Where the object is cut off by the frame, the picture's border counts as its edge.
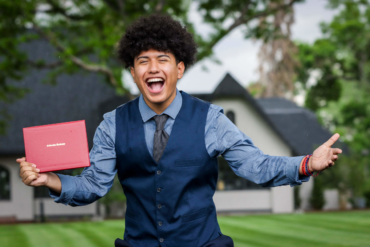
(332, 140)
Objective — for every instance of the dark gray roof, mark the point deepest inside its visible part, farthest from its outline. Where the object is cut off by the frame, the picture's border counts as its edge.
(75, 97)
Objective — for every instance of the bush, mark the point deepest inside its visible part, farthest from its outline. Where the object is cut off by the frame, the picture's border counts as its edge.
(367, 197)
(317, 199)
(297, 199)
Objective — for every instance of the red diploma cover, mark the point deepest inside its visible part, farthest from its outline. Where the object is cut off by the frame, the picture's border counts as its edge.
(59, 146)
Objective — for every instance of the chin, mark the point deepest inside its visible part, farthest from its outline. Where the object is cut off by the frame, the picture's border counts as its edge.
(157, 99)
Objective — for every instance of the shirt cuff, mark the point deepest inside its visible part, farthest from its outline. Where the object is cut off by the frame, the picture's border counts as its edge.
(68, 190)
(292, 171)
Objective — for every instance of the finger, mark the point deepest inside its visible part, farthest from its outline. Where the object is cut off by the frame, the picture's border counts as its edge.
(25, 168)
(27, 173)
(30, 179)
(337, 150)
(29, 168)
(332, 140)
(334, 157)
(25, 163)
(21, 159)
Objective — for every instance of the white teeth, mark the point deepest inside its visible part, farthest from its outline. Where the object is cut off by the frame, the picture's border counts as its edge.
(155, 79)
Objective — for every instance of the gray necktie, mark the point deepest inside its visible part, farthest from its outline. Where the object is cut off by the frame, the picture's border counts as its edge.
(160, 137)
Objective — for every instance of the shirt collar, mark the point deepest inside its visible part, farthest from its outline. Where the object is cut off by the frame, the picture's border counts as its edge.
(172, 110)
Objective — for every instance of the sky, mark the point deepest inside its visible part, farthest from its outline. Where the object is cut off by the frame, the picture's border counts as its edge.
(240, 56)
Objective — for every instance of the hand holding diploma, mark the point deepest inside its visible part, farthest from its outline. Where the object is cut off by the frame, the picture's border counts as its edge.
(30, 176)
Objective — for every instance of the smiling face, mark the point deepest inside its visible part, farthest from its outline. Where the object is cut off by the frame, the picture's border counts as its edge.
(155, 74)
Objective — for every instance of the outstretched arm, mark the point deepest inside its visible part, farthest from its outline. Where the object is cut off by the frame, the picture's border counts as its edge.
(247, 160)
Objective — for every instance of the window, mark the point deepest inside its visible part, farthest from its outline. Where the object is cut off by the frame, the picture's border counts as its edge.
(43, 191)
(231, 116)
(4, 183)
(228, 180)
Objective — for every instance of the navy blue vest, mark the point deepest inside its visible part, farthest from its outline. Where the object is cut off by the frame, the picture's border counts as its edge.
(169, 203)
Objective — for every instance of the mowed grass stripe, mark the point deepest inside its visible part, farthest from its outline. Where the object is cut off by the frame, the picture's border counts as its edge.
(301, 232)
(42, 236)
(56, 233)
(334, 223)
(101, 232)
(12, 235)
(310, 230)
(257, 236)
(93, 233)
(242, 237)
(71, 236)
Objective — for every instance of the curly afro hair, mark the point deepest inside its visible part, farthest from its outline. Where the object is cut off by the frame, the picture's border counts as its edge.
(159, 32)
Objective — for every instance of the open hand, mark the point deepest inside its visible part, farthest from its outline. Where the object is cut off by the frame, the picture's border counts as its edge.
(324, 156)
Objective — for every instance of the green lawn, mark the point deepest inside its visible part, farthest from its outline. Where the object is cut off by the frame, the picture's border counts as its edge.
(319, 229)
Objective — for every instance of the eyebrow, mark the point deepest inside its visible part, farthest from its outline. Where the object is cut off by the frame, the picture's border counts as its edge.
(148, 57)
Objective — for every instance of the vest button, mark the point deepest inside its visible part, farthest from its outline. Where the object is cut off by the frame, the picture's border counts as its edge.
(159, 190)
(159, 172)
(159, 206)
(160, 223)
(161, 240)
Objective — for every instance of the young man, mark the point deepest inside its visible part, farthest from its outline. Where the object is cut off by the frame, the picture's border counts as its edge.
(164, 147)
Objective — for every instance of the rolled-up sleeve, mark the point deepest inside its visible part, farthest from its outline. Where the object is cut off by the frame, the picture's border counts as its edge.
(97, 179)
(245, 159)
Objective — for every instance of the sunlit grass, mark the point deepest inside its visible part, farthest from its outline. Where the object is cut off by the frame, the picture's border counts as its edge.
(313, 229)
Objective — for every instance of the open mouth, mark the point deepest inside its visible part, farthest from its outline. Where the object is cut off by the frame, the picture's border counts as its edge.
(155, 85)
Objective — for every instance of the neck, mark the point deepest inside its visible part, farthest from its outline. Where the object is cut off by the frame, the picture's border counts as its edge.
(160, 107)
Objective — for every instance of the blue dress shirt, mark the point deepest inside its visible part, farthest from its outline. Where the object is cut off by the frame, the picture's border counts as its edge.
(222, 137)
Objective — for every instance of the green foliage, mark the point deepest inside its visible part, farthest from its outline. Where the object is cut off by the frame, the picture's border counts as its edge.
(317, 199)
(340, 96)
(297, 198)
(319, 57)
(367, 197)
(349, 173)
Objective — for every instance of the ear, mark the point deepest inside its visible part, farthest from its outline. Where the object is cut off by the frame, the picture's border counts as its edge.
(132, 71)
(180, 69)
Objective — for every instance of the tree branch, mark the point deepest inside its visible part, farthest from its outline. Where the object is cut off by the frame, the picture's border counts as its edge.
(90, 67)
(242, 20)
(159, 6)
(121, 6)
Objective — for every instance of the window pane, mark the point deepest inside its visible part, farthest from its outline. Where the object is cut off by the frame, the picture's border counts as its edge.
(231, 116)
(4, 183)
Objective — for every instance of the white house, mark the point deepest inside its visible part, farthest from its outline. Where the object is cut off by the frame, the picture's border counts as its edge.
(277, 126)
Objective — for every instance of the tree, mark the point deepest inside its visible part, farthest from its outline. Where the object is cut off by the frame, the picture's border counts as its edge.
(277, 56)
(340, 61)
(317, 199)
(85, 33)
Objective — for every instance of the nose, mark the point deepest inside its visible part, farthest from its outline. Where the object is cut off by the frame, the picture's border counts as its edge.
(153, 67)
